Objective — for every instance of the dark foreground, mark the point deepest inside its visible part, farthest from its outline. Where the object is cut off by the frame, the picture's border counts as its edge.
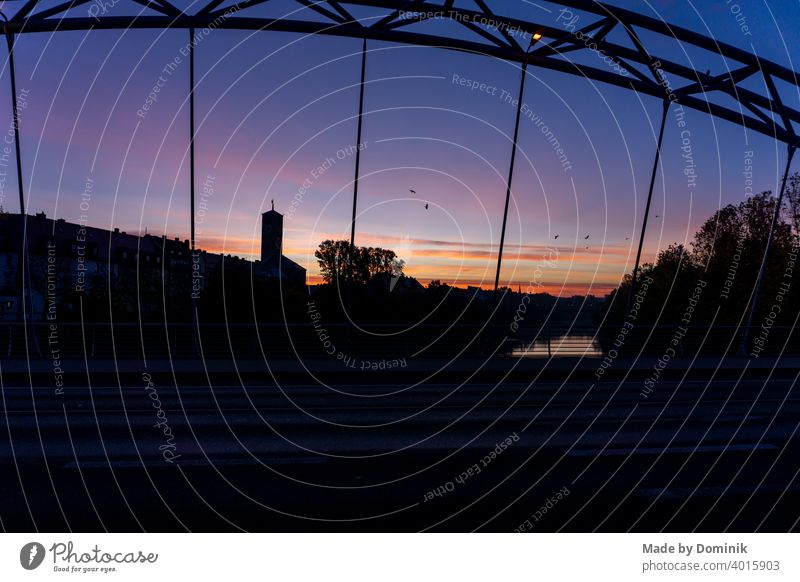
(538, 450)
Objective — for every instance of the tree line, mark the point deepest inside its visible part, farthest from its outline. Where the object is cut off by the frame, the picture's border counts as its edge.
(723, 259)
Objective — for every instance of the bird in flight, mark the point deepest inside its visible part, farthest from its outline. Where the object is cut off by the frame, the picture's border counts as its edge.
(426, 207)
(586, 237)
(413, 191)
(657, 216)
(556, 237)
(627, 238)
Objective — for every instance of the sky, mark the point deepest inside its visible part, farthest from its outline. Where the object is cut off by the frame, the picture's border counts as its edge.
(276, 116)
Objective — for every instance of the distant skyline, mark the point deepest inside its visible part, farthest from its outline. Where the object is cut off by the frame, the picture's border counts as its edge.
(276, 119)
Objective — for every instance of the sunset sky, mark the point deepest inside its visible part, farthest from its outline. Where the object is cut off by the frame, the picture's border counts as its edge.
(272, 107)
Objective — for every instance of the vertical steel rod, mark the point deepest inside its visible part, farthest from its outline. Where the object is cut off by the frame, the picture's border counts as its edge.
(656, 161)
(510, 174)
(765, 259)
(193, 233)
(15, 123)
(191, 134)
(351, 253)
(358, 151)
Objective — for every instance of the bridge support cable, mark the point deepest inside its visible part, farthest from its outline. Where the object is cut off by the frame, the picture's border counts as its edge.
(22, 308)
(514, 146)
(193, 220)
(191, 140)
(656, 162)
(357, 172)
(765, 259)
(358, 151)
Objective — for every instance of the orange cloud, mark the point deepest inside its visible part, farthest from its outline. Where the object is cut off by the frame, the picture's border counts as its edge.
(597, 270)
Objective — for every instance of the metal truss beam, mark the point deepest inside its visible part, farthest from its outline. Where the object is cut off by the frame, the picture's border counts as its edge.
(491, 35)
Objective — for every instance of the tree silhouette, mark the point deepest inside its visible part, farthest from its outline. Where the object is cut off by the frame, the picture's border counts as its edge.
(725, 254)
(334, 262)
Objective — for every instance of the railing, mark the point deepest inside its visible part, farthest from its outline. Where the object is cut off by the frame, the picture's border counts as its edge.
(377, 341)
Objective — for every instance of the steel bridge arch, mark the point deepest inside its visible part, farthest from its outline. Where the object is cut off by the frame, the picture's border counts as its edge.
(490, 34)
(485, 32)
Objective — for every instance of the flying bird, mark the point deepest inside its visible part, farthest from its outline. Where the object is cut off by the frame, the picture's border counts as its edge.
(413, 191)
(627, 238)
(426, 207)
(586, 237)
(556, 237)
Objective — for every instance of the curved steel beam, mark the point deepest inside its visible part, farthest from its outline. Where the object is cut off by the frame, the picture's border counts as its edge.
(494, 35)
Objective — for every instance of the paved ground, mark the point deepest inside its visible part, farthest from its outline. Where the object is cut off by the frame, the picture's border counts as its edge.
(712, 453)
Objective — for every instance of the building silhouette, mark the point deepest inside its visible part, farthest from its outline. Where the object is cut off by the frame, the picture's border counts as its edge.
(66, 259)
(273, 263)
